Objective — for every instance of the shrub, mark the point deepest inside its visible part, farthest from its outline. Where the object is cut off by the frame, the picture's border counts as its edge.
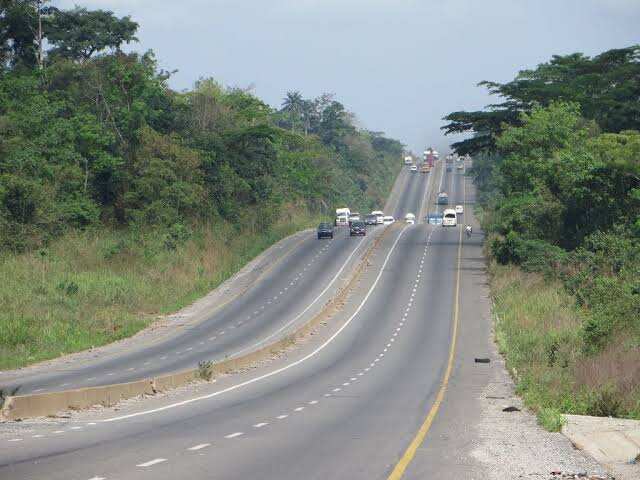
(550, 419)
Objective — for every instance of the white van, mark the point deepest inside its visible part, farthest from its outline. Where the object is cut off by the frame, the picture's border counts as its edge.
(343, 211)
(410, 218)
(379, 216)
(450, 218)
(342, 220)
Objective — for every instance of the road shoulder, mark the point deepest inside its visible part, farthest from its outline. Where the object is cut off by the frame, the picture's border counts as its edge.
(473, 437)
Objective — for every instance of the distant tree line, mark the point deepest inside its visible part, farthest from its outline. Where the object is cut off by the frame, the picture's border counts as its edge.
(91, 136)
(557, 164)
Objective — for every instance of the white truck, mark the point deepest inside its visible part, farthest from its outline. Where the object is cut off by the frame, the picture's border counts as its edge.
(408, 160)
(342, 216)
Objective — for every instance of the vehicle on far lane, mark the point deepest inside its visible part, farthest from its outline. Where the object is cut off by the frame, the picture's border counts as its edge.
(371, 219)
(325, 230)
(357, 228)
(410, 218)
(460, 166)
(354, 217)
(388, 220)
(459, 209)
(425, 168)
(413, 168)
(449, 219)
(342, 220)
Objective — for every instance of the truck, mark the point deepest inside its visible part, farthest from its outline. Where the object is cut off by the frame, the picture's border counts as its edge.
(408, 160)
(342, 216)
(430, 156)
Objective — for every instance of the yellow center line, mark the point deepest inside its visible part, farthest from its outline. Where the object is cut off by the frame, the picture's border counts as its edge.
(410, 452)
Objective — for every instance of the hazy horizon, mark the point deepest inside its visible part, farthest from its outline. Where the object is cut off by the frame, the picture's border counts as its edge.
(399, 66)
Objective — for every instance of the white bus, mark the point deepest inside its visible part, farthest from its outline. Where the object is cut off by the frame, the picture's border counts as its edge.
(450, 218)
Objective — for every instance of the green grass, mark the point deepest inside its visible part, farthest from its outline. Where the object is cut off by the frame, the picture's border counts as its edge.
(539, 331)
(550, 419)
(92, 288)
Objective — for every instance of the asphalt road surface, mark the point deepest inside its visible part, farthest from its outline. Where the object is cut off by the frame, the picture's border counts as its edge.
(345, 406)
(287, 295)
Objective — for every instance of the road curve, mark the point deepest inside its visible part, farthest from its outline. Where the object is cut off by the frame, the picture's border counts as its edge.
(291, 292)
(345, 406)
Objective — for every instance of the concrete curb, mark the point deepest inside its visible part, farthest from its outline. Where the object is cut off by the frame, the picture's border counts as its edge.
(49, 404)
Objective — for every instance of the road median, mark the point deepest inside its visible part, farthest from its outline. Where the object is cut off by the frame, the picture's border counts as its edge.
(50, 404)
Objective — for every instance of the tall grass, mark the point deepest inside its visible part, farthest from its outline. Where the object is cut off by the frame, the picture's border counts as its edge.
(91, 288)
(538, 329)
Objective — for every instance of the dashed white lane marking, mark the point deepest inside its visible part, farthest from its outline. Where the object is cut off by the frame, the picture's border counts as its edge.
(64, 384)
(234, 435)
(98, 478)
(221, 333)
(313, 402)
(353, 379)
(346, 384)
(91, 423)
(199, 447)
(395, 334)
(76, 428)
(38, 436)
(281, 417)
(260, 425)
(212, 338)
(337, 389)
(298, 409)
(327, 395)
(15, 440)
(58, 431)
(291, 365)
(133, 368)
(360, 374)
(38, 390)
(385, 350)
(155, 461)
(388, 345)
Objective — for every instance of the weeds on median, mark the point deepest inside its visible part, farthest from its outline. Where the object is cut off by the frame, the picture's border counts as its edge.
(205, 370)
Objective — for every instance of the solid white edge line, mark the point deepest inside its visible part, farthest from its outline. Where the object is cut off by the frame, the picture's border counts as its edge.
(279, 370)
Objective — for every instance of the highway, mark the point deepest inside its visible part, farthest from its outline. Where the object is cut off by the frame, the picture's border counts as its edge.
(346, 404)
(293, 289)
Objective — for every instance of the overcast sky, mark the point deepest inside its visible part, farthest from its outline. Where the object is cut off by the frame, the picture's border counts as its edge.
(399, 65)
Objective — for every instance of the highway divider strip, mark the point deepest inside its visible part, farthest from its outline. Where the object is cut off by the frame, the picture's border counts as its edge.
(49, 404)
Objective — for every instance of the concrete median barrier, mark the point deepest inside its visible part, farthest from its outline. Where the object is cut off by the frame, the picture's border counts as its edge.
(49, 404)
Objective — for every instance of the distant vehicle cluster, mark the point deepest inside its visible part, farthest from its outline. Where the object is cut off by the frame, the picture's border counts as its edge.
(356, 223)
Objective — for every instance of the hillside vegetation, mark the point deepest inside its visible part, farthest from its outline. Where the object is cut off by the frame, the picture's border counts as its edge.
(558, 171)
(121, 199)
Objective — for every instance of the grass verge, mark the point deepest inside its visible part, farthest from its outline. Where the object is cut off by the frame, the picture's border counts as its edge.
(92, 288)
(539, 331)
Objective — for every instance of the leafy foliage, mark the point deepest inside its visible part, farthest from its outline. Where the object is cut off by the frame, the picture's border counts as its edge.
(98, 138)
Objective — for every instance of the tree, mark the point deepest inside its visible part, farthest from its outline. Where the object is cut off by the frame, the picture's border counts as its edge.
(293, 106)
(79, 33)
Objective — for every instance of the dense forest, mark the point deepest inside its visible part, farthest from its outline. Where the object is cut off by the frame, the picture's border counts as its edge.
(122, 199)
(92, 136)
(557, 164)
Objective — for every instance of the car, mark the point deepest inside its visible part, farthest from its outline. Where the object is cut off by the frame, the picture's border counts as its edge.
(357, 228)
(413, 168)
(443, 198)
(388, 220)
(325, 230)
(354, 217)
(380, 215)
(425, 168)
(371, 219)
(459, 209)
(460, 166)
(410, 218)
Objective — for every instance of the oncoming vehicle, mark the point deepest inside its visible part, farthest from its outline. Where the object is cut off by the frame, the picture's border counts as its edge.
(379, 215)
(449, 218)
(388, 220)
(325, 230)
(371, 219)
(357, 228)
(410, 218)
(413, 168)
(459, 209)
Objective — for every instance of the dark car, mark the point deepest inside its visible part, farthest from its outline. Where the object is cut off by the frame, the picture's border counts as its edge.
(371, 219)
(325, 230)
(357, 228)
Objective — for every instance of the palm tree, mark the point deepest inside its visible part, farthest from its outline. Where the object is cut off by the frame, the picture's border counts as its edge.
(293, 104)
